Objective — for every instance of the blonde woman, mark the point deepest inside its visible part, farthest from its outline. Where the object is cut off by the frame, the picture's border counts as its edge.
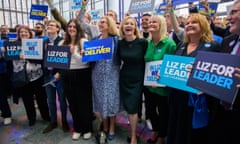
(157, 97)
(131, 50)
(105, 80)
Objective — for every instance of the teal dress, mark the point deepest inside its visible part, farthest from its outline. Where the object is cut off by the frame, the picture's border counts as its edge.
(132, 72)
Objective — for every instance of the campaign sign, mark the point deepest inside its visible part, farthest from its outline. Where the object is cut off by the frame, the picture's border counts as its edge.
(152, 73)
(175, 72)
(32, 48)
(12, 36)
(212, 10)
(178, 2)
(137, 6)
(162, 7)
(96, 50)
(75, 4)
(96, 14)
(38, 12)
(12, 50)
(57, 57)
(213, 73)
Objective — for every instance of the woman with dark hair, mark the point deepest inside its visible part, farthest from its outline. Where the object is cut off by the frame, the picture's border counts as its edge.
(77, 82)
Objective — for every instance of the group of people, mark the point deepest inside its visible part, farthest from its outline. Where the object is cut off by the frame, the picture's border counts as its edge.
(108, 87)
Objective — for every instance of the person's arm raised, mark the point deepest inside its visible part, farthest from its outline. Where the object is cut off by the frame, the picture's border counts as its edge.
(56, 14)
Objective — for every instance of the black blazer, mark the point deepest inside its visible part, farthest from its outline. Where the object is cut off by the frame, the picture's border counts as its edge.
(222, 32)
(229, 43)
(211, 46)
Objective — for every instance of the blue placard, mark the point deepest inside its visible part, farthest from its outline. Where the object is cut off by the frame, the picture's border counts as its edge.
(96, 50)
(213, 8)
(162, 7)
(13, 50)
(178, 2)
(75, 4)
(137, 6)
(213, 73)
(57, 57)
(174, 72)
(96, 15)
(38, 12)
(12, 36)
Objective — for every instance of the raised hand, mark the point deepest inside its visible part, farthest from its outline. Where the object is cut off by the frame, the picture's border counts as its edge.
(49, 1)
(84, 2)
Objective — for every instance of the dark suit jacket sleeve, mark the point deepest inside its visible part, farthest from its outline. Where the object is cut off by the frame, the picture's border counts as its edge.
(218, 30)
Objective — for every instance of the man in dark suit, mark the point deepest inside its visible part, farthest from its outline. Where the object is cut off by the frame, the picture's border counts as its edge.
(228, 120)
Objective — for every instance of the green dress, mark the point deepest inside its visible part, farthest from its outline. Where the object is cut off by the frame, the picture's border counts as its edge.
(132, 72)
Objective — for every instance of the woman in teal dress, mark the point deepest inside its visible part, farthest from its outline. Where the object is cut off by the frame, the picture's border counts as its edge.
(131, 50)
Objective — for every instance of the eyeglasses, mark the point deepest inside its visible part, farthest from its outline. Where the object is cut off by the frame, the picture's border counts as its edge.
(52, 25)
(232, 12)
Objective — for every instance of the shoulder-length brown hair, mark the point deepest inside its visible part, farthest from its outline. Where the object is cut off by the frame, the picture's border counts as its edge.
(26, 28)
(206, 33)
(136, 31)
(79, 36)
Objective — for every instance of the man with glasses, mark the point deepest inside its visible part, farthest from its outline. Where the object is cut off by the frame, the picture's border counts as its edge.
(52, 74)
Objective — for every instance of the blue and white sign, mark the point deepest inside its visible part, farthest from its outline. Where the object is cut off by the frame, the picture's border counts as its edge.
(38, 12)
(175, 71)
(178, 2)
(213, 73)
(137, 6)
(13, 50)
(12, 36)
(75, 4)
(96, 50)
(152, 74)
(32, 48)
(58, 57)
(96, 14)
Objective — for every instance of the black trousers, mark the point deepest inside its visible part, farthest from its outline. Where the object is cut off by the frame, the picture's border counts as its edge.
(157, 108)
(4, 106)
(28, 92)
(78, 91)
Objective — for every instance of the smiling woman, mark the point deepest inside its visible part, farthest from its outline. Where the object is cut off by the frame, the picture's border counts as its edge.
(131, 50)
(77, 82)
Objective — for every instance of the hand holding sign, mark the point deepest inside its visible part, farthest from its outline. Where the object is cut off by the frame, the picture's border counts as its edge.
(237, 74)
